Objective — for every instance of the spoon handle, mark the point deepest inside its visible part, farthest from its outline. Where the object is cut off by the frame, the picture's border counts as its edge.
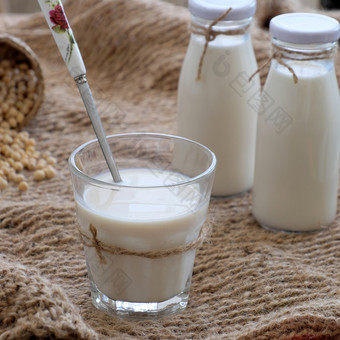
(63, 35)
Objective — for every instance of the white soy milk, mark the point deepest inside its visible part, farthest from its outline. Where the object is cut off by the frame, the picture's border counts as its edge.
(214, 111)
(142, 220)
(296, 172)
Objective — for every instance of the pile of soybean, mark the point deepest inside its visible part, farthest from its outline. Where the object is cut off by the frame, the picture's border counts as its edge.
(18, 153)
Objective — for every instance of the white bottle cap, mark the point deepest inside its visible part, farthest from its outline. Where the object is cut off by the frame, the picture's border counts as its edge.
(212, 9)
(305, 28)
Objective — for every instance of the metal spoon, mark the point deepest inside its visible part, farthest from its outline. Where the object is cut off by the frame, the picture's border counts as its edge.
(63, 35)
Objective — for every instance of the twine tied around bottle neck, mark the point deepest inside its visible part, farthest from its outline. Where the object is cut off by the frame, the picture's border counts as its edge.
(93, 242)
(210, 34)
(280, 53)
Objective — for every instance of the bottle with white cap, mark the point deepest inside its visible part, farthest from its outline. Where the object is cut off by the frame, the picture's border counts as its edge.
(213, 90)
(298, 135)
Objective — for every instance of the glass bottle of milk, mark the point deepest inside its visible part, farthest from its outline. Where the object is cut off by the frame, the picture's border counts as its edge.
(298, 135)
(214, 91)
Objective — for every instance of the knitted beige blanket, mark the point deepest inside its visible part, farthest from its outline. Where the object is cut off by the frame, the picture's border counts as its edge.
(248, 283)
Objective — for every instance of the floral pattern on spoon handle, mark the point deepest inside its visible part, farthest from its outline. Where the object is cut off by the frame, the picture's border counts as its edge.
(63, 35)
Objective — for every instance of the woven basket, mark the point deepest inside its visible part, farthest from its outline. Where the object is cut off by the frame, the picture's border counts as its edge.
(13, 48)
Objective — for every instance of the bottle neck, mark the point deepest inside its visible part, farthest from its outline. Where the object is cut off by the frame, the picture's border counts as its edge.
(305, 52)
(303, 61)
(240, 27)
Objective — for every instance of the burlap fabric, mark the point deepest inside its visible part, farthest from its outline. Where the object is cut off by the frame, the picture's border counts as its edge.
(248, 283)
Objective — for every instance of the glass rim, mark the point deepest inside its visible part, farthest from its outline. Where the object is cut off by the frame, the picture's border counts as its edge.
(94, 181)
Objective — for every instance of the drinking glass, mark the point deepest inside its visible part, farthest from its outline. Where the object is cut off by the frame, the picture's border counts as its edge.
(140, 235)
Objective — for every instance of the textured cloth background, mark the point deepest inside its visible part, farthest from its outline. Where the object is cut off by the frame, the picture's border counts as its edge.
(248, 283)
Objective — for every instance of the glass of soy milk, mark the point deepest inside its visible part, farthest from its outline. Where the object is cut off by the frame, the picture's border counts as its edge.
(140, 235)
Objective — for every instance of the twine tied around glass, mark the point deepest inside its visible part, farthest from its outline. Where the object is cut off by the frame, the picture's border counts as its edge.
(210, 34)
(280, 53)
(93, 242)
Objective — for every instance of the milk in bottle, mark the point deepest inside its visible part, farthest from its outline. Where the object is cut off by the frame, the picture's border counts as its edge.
(212, 98)
(296, 170)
